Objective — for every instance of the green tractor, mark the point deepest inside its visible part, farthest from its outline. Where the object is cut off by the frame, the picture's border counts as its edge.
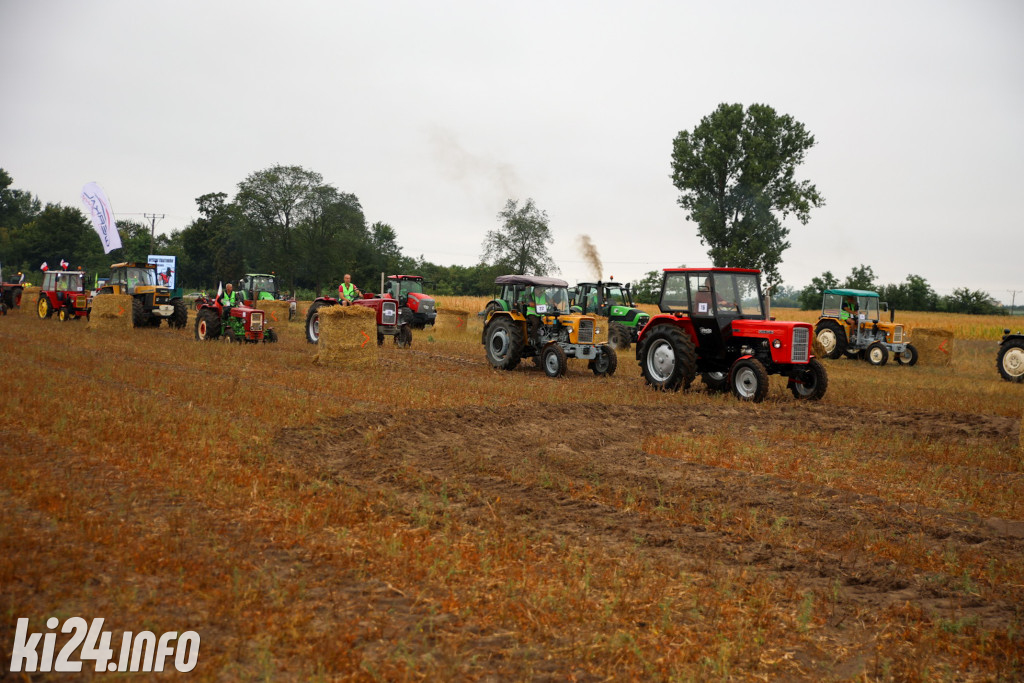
(613, 301)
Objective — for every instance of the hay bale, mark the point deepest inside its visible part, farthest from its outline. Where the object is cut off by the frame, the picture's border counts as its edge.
(111, 313)
(301, 308)
(348, 336)
(452, 321)
(30, 298)
(276, 311)
(934, 346)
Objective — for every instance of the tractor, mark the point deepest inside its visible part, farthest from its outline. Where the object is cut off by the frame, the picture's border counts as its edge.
(10, 292)
(63, 292)
(1010, 360)
(613, 301)
(530, 318)
(713, 322)
(151, 303)
(849, 325)
(415, 307)
(256, 287)
(389, 322)
(242, 323)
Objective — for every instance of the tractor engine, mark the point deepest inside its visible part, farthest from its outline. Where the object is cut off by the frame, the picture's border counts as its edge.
(552, 333)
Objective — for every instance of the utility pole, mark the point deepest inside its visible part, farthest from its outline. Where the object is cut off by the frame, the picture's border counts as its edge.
(1013, 298)
(152, 229)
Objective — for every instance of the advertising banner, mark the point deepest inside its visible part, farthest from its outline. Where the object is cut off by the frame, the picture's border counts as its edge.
(165, 269)
(102, 216)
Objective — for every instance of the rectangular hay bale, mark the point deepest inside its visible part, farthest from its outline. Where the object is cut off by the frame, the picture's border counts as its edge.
(111, 313)
(276, 311)
(348, 336)
(934, 346)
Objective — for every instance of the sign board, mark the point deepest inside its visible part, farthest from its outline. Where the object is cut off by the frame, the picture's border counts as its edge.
(166, 267)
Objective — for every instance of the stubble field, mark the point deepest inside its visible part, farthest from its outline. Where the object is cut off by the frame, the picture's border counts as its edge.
(431, 518)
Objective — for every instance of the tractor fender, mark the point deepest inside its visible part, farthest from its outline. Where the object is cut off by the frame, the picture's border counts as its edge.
(682, 323)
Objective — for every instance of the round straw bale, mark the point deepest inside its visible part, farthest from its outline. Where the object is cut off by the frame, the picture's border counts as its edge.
(111, 313)
(934, 346)
(348, 336)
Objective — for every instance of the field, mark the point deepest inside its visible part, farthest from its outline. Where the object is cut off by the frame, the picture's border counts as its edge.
(430, 518)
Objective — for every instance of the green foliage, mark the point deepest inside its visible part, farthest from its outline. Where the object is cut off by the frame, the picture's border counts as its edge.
(521, 245)
(810, 296)
(647, 290)
(913, 294)
(861, 277)
(735, 172)
(964, 300)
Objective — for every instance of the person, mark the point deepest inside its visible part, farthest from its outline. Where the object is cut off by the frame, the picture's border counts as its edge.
(347, 291)
(228, 300)
(847, 314)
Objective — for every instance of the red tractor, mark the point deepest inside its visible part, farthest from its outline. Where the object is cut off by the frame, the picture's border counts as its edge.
(10, 292)
(63, 292)
(241, 323)
(415, 307)
(389, 323)
(713, 322)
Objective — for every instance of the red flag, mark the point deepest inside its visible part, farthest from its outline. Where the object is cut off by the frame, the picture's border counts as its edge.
(63, 264)
(44, 267)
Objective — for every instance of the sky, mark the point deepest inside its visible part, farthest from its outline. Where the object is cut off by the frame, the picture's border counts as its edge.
(434, 114)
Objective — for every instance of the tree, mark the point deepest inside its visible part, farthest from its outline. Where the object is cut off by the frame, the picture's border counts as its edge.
(735, 172)
(647, 290)
(964, 300)
(861, 277)
(810, 296)
(521, 245)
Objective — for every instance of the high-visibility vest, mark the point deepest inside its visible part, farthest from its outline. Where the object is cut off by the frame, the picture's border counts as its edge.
(348, 290)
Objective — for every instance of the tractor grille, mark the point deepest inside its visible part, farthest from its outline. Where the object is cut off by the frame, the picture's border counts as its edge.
(256, 322)
(897, 334)
(586, 334)
(388, 313)
(801, 343)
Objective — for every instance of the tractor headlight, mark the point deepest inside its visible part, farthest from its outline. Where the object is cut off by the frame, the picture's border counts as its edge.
(777, 343)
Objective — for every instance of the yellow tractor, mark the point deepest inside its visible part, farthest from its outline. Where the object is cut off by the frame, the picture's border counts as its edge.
(530, 318)
(850, 325)
(151, 302)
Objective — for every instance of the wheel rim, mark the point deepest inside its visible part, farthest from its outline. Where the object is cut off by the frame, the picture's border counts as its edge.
(314, 326)
(875, 355)
(551, 363)
(1013, 362)
(499, 343)
(42, 308)
(827, 339)
(746, 382)
(716, 376)
(661, 361)
(202, 329)
(601, 362)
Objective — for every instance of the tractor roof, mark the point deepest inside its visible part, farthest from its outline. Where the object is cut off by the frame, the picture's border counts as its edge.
(604, 284)
(66, 272)
(133, 265)
(405, 277)
(711, 270)
(852, 292)
(530, 280)
(260, 275)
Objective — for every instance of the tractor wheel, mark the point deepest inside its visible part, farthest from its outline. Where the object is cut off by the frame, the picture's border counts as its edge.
(852, 352)
(606, 362)
(44, 309)
(503, 339)
(877, 354)
(179, 318)
(1010, 360)
(810, 383)
(908, 356)
(270, 337)
(716, 381)
(15, 299)
(380, 339)
(3, 308)
(64, 315)
(139, 315)
(667, 358)
(207, 325)
(404, 337)
(832, 338)
(313, 322)
(618, 336)
(553, 360)
(749, 380)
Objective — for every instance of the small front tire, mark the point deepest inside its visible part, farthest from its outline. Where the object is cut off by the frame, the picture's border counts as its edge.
(877, 354)
(810, 383)
(605, 363)
(749, 380)
(908, 356)
(553, 361)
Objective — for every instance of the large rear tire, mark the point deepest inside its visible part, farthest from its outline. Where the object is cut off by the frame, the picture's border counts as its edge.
(606, 362)
(313, 322)
(179, 318)
(668, 360)
(749, 380)
(832, 338)
(139, 315)
(908, 356)
(503, 340)
(553, 361)
(207, 325)
(1010, 360)
(618, 336)
(43, 308)
(810, 383)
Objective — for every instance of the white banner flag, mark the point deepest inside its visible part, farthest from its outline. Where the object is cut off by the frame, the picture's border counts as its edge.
(98, 207)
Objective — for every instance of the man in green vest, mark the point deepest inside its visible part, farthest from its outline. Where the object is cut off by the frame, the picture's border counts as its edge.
(228, 300)
(347, 291)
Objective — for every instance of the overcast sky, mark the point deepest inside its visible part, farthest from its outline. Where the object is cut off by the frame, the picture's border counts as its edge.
(435, 113)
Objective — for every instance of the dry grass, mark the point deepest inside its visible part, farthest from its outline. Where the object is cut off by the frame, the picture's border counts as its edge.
(432, 518)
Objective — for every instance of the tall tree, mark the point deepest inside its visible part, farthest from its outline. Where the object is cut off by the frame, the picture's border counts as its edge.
(810, 296)
(861, 277)
(521, 244)
(736, 175)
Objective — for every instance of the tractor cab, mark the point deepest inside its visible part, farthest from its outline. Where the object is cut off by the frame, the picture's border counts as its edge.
(63, 292)
(713, 300)
(259, 287)
(418, 308)
(152, 302)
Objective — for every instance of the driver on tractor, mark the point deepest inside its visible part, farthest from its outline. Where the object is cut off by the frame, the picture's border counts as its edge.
(347, 291)
(228, 300)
